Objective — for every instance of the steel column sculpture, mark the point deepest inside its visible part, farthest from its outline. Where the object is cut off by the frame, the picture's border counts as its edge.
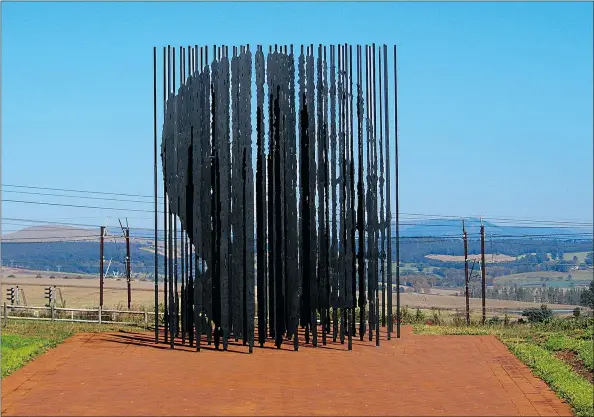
(295, 235)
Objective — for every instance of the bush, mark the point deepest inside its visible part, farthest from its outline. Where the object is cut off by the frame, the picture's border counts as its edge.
(459, 319)
(436, 316)
(11, 276)
(405, 316)
(494, 320)
(538, 315)
(419, 316)
(576, 312)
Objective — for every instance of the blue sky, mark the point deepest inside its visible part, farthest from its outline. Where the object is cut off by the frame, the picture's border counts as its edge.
(495, 99)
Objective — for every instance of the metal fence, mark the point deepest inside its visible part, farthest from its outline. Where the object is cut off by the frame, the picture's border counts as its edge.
(79, 315)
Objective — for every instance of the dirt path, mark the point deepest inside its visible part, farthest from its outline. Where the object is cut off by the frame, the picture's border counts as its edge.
(126, 374)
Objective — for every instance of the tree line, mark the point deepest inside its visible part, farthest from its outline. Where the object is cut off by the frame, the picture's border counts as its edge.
(545, 295)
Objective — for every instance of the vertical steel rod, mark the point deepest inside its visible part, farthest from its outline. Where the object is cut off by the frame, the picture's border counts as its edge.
(375, 216)
(155, 193)
(381, 188)
(165, 235)
(388, 192)
(397, 196)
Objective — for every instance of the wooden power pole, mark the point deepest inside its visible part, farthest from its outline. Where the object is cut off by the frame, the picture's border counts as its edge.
(466, 274)
(483, 273)
(128, 272)
(101, 266)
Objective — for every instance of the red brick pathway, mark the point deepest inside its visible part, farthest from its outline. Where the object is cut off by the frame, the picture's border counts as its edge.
(126, 374)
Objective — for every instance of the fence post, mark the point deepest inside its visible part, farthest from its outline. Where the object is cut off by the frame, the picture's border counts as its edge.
(53, 312)
(99, 311)
(72, 315)
(5, 314)
(145, 320)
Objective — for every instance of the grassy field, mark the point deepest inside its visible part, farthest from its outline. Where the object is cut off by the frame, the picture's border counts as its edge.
(560, 352)
(580, 255)
(556, 279)
(489, 257)
(22, 340)
(84, 293)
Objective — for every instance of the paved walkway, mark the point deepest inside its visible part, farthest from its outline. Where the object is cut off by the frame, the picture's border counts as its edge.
(126, 374)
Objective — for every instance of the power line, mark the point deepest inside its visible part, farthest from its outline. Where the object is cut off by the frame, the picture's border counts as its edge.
(78, 206)
(78, 191)
(422, 215)
(498, 218)
(425, 238)
(78, 196)
(66, 224)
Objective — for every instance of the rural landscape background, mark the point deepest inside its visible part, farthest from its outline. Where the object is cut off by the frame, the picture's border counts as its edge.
(527, 264)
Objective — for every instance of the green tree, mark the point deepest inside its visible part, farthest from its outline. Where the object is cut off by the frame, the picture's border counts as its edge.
(587, 297)
(538, 315)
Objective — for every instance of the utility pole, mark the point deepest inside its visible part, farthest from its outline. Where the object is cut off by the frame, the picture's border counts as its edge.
(483, 273)
(466, 273)
(128, 272)
(101, 267)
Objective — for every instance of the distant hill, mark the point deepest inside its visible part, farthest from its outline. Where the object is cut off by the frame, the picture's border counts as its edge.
(76, 250)
(453, 227)
(50, 233)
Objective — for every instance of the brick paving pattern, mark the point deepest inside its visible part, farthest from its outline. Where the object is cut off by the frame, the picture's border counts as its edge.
(127, 374)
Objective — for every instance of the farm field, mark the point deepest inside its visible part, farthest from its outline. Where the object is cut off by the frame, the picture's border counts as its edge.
(580, 255)
(489, 258)
(84, 293)
(558, 279)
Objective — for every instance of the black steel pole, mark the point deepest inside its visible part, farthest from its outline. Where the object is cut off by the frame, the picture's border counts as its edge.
(369, 242)
(172, 232)
(397, 197)
(165, 218)
(362, 300)
(388, 191)
(155, 193)
(353, 295)
(381, 188)
(182, 244)
(376, 229)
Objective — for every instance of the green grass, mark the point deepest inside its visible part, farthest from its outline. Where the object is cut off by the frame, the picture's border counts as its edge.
(583, 348)
(580, 255)
(18, 350)
(535, 345)
(24, 340)
(556, 279)
(575, 389)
